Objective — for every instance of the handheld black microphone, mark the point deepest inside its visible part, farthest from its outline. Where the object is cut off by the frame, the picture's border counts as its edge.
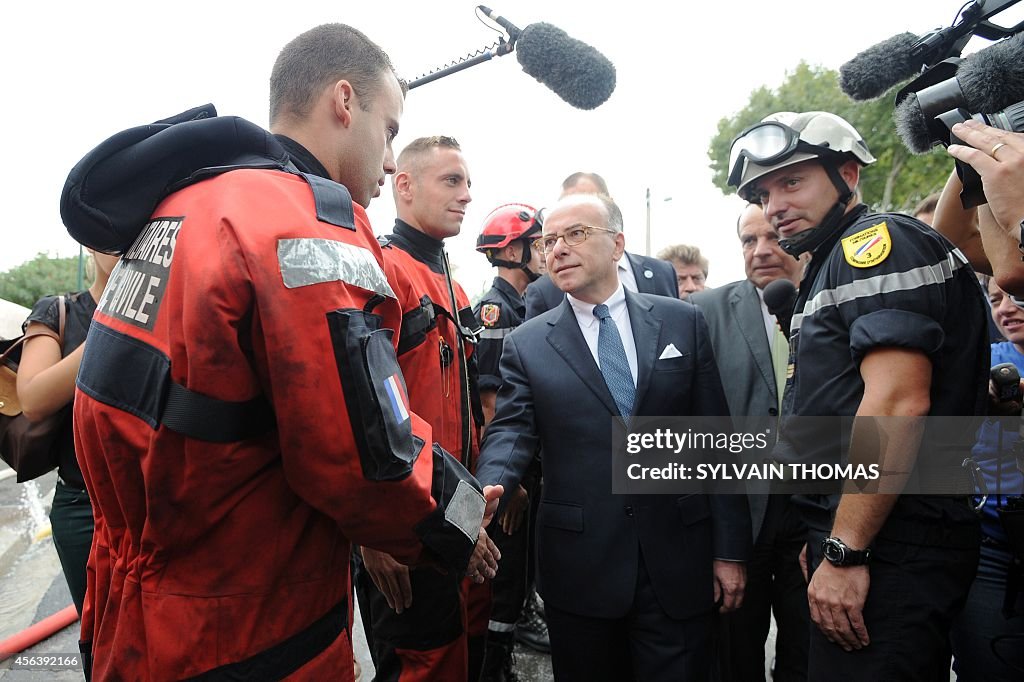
(779, 298)
(1006, 383)
(510, 28)
(872, 72)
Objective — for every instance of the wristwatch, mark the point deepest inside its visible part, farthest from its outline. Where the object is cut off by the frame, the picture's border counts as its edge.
(838, 554)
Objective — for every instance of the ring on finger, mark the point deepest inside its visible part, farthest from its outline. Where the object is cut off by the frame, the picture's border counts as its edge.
(996, 148)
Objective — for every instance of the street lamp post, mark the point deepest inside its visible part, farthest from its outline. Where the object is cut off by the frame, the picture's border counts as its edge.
(664, 199)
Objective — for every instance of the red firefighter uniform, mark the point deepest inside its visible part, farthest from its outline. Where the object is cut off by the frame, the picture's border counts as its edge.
(428, 641)
(240, 419)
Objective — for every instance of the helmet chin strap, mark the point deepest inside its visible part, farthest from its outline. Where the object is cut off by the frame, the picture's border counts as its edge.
(523, 264)
(810, 239)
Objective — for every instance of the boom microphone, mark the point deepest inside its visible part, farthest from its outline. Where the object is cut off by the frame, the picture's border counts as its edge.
(989, 80)
(872, 72)
(575, 71)
(779, 298)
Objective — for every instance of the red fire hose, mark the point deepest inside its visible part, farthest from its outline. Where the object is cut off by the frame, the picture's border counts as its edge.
(37, 632)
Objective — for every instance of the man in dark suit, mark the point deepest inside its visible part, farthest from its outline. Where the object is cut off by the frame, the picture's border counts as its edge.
(629, 582)
(753, 355)
(637, 273)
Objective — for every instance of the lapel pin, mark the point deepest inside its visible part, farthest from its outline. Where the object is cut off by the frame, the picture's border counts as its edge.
(648, 274)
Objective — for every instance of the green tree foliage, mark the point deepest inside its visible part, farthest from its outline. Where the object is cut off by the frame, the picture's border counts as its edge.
(42, 276)
(896, 182)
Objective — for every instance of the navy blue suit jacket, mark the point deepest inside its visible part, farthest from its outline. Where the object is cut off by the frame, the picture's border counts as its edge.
(653, 276)
(588, 540)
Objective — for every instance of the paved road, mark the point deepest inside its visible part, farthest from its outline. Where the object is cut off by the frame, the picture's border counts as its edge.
(32, 587)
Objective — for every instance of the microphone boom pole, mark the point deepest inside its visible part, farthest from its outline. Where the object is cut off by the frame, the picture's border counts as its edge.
(504, 47)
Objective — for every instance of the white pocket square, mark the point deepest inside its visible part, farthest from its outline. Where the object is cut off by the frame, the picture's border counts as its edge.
(670, 352)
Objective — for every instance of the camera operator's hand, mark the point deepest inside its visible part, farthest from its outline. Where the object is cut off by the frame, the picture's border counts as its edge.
(998, 156)
(1006, 408)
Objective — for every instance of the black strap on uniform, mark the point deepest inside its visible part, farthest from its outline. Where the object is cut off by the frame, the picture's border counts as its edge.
(416, 323)
(284, 658)
(217, 421)
(112, 355)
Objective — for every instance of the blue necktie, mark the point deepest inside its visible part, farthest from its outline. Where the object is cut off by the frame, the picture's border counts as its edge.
(614, 366)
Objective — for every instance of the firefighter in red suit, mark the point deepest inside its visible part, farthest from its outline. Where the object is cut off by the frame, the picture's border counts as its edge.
(241, 416)
(418, 620)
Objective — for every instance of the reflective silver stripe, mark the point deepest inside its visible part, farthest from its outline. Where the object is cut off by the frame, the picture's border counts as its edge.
(465, 511)
(873, 286)
(487, 333)
(313, 261)
(495, 626)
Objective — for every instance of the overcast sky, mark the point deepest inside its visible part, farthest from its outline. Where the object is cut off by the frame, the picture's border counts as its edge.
(75, 73)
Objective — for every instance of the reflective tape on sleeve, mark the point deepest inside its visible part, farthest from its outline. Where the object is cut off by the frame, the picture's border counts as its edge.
(465, 510)
(488, 333)
(927, 275)
(314, 261)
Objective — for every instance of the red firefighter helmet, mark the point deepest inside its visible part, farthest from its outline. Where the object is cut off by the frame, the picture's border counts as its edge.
(506, 224)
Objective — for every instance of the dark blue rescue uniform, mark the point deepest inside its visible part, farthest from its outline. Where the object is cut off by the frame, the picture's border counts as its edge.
(499, 311)
(887, 280)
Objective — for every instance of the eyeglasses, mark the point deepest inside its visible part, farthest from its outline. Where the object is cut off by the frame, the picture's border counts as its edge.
(764, 143)
(574, 236)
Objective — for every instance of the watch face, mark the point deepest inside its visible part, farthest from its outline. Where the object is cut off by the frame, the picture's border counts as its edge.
(833, 551)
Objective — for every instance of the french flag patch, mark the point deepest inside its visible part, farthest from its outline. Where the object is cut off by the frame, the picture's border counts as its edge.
(396, 394)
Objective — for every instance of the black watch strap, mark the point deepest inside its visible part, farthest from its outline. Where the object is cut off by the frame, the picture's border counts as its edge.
(837, 553)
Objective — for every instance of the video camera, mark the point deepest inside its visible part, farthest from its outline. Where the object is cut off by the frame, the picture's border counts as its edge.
(987, 86)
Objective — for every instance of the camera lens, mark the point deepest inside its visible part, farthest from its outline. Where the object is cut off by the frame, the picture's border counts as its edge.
(1010, 119)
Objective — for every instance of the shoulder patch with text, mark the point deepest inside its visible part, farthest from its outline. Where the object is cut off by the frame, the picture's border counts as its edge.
(868, 247)
(137, 283)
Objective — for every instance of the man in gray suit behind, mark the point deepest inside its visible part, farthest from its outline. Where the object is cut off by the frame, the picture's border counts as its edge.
(753, 356)
(629, 581)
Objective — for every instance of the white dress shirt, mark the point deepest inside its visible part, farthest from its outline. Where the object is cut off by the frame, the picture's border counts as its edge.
(591, 327)
(626, 274)
(770, 323)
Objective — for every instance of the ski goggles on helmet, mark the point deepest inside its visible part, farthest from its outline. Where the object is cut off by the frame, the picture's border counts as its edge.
(765, 144)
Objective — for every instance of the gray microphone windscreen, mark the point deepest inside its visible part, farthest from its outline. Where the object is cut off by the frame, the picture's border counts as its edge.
(911, 125)
(575, 71)
(993, 79)
(872, 72)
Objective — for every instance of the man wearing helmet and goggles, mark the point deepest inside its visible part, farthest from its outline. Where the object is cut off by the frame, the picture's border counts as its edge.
(889, 322)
